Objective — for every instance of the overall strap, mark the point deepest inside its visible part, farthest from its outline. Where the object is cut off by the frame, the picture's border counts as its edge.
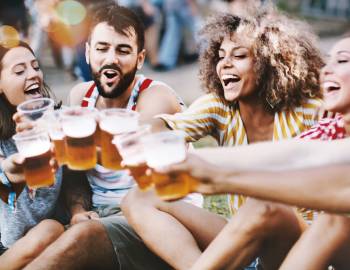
(145, 84)
(86, 99)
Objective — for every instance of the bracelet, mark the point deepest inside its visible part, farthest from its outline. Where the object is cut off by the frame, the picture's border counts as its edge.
(11, 200)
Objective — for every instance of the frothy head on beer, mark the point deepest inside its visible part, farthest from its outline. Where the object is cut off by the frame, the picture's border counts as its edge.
(79, 127)
(117, 121)
(164, 148)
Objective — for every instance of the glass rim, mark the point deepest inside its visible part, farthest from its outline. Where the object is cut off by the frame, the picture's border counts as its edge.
(29, 134)
(104, 112)
(164, 134)
(20, 106)
(65, 113)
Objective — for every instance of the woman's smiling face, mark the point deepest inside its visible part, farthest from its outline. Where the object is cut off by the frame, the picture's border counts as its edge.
(20, 77)
(235, 69)
(335, 78)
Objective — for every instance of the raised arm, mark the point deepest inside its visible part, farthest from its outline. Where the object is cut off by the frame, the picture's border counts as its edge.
(282, 155)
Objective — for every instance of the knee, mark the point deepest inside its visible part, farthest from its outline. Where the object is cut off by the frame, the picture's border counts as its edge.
(83, 232)
(260, 217)
(136, 202)
(335, 225)
(41, 236)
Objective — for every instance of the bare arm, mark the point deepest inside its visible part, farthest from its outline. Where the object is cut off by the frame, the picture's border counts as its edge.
(325, 188)
(158, 99)
(282, 155)
(77, 93)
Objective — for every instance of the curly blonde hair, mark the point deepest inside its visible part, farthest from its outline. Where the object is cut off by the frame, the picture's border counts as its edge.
(286, 60)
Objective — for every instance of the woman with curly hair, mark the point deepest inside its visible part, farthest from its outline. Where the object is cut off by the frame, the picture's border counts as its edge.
(261, 74)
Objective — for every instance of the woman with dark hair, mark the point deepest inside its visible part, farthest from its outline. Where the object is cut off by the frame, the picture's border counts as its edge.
(261, 74)
(25, 229)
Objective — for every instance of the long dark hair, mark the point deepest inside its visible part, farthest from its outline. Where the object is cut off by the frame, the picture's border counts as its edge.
(7, 125)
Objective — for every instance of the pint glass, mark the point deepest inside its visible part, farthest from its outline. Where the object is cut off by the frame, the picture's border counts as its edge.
(79, 126)
(163, 149)
(115, 122)
(33, 109)
(34, 146)
(53, 124)
(131, 149)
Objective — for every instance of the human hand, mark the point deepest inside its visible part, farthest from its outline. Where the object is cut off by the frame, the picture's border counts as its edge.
(22, 123)
(83, 216)
(210, 178)
(12, 166)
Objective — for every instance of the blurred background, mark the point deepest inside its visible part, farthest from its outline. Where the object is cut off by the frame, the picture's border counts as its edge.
(56, 30)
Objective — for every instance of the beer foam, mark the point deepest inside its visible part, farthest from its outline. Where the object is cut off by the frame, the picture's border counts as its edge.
(134, 160)
(117, 124)
(79, 127)
(164, 155)
(36, 148)
(56, 135)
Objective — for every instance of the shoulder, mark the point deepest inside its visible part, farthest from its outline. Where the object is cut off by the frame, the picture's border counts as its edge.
(159, 96)
(78, 92)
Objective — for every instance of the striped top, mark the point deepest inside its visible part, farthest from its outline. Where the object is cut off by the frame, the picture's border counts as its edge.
(209, 115)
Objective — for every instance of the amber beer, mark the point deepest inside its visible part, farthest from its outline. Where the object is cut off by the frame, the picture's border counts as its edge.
(37, 169)
(114, 122)
(80, 144)
(163, 149)
(35, 148)
(60, 151)
(138, 172)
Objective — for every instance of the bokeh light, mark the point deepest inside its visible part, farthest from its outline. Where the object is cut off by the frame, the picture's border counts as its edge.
(71, 12)
(68, 23)
(9, 37)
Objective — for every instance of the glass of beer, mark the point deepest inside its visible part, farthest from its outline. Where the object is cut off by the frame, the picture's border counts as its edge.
(53, 124)
(163, 149)
(35, 146)
(115, 122)
(131, 149)
(33, 109)
(79, 126)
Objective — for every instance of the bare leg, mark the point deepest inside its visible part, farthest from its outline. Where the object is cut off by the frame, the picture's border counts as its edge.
(84, 246)
(31, 245)
(174, 231)
(326, 242)
(259, 228)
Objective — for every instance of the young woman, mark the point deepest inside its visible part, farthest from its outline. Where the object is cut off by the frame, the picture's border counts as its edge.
(25, 229)
(324, 188)
(261, 74)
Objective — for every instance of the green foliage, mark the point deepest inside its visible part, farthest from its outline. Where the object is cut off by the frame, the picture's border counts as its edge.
(217, 204)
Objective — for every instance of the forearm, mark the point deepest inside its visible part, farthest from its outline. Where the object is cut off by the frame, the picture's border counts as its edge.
(324, 188)
(281, 155)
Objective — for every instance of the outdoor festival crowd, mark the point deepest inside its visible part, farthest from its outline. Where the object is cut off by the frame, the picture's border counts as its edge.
(112, 180)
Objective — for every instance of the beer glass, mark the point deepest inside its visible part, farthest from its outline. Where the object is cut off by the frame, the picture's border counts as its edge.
(33, 109)
(115, 122)
(131, 150)
(34, 146)
(53, 124)
(79, 126)
(163, 149)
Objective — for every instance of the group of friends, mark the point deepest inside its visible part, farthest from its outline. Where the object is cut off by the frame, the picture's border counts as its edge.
(266, 80)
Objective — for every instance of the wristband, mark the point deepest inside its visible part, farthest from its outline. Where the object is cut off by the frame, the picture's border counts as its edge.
(11, 200)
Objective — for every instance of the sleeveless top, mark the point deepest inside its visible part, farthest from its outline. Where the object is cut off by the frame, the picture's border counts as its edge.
(109, 186)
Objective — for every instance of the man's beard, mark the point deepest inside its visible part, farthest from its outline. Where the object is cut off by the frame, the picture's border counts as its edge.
(123, 84)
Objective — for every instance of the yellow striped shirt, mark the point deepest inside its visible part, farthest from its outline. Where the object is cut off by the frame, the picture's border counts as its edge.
(209, 115)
